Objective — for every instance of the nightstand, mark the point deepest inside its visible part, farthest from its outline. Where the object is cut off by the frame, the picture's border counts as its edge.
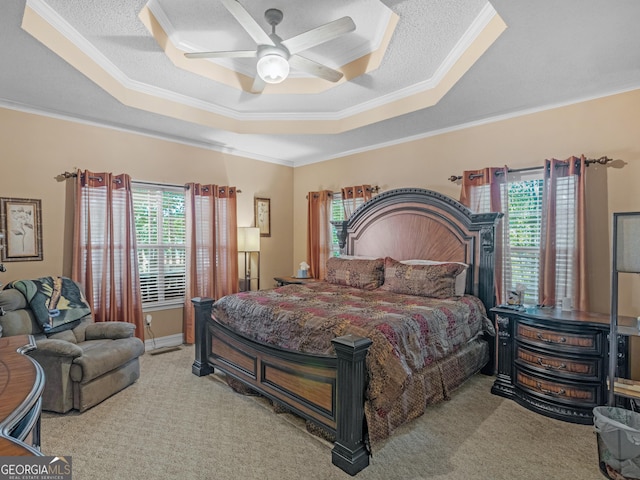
(294, 280)
(554, 362)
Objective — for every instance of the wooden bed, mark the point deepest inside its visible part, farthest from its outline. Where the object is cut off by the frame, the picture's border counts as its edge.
(329, 390)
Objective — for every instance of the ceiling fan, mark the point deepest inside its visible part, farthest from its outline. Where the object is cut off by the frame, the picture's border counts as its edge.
(277, 56)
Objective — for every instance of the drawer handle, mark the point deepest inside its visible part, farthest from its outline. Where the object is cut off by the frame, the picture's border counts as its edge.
(551, 367)
(560, 392)
(541, 337)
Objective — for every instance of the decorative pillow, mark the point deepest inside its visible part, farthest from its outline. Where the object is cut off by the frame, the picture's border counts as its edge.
(365, 274)
(461, 278)
(436, 280)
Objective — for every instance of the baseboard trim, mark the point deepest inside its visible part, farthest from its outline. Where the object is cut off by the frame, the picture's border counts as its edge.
(163, 342)
(160, 350)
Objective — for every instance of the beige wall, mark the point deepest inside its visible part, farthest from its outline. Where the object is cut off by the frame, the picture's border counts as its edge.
(35, 149)
(608, 126)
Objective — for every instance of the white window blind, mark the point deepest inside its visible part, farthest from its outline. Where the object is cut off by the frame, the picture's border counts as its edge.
(337, 214)
(565, 238)
(160, 235)
(525, 227)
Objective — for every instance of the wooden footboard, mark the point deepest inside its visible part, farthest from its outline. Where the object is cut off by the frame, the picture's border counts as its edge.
(327, 390)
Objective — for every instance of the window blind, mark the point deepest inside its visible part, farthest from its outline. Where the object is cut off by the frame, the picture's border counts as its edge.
(161, 243)
(565, 238)
(338, 214)
(523, 195)
(524, 199)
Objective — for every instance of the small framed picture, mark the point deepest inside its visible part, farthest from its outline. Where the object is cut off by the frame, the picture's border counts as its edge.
(21, 220)
(515, 297)
(262, 209)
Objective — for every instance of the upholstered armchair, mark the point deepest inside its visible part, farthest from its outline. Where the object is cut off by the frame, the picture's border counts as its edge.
(83, 365)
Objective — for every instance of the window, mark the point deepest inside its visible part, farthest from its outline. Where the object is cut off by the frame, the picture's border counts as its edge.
(521, 256)
(525, 228)
(337, 214)
(161, 241)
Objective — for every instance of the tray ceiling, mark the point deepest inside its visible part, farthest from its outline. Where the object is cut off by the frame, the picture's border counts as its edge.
(412, 68)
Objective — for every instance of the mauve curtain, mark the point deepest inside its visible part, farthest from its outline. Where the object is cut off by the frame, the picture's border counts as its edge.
(212, 246)
(105, 260)
(473, 197)
(318, 232)
(477, 178)
(350, 196)
(563, 211)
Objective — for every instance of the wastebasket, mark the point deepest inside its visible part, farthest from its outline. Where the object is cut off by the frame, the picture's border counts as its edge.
(618, 432)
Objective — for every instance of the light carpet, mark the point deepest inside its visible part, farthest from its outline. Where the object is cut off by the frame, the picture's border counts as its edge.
(172, 424)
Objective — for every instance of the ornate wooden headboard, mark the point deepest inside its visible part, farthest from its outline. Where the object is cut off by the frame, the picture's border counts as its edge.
(414, 223)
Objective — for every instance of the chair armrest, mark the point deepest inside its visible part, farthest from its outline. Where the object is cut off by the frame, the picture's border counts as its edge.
(109, 330)
(57, 348)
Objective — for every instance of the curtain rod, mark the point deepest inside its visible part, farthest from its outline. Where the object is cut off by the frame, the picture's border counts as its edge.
(374, 189)
(158, 184)
(67, 175)
(601, 161)
(142, 182)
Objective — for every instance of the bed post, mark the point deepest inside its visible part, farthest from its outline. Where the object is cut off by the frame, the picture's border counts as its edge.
(487, 291)
(350, 452)
(201, 365)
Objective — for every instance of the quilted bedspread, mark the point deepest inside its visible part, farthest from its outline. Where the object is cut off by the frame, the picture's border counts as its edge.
(412, 336)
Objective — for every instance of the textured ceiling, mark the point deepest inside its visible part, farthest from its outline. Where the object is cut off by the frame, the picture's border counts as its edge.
(196, 26)
(551, 53)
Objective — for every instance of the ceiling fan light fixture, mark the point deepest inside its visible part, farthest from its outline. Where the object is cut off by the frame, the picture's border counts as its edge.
(273, 68)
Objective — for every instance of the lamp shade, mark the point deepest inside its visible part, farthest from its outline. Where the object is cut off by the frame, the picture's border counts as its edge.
(627, 231)
(248, 239)
(273, 68)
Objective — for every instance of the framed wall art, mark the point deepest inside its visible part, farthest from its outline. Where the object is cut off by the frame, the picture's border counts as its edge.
(262, 208)
(21, 223)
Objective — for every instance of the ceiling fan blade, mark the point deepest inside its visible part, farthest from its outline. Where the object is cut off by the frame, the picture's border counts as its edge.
(231, 54)
(314, 68)
(258, 85)
(248, 23)
(319, 35)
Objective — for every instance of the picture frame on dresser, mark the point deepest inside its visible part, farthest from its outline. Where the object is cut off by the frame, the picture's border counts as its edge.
(21, 223)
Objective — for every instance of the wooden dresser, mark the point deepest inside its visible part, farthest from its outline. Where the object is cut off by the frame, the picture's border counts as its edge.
(21, 385)
(553, 362)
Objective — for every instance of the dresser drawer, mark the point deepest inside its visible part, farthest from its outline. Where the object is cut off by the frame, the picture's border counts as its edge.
(588, 369)
(583, 343)
(559, 391)
(553, 362)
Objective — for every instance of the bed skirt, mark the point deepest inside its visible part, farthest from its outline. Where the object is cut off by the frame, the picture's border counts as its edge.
(432, 385)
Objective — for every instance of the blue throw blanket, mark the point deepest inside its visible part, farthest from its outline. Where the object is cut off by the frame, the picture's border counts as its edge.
(56, 302)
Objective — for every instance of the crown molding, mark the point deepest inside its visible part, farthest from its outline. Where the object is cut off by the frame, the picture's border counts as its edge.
(349, 118)
(78, 119)
(301, 163)
(477, 27)
(464, 126)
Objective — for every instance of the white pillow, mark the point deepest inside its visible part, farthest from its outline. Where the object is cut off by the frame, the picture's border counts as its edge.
(357, 257)
(461, 279)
